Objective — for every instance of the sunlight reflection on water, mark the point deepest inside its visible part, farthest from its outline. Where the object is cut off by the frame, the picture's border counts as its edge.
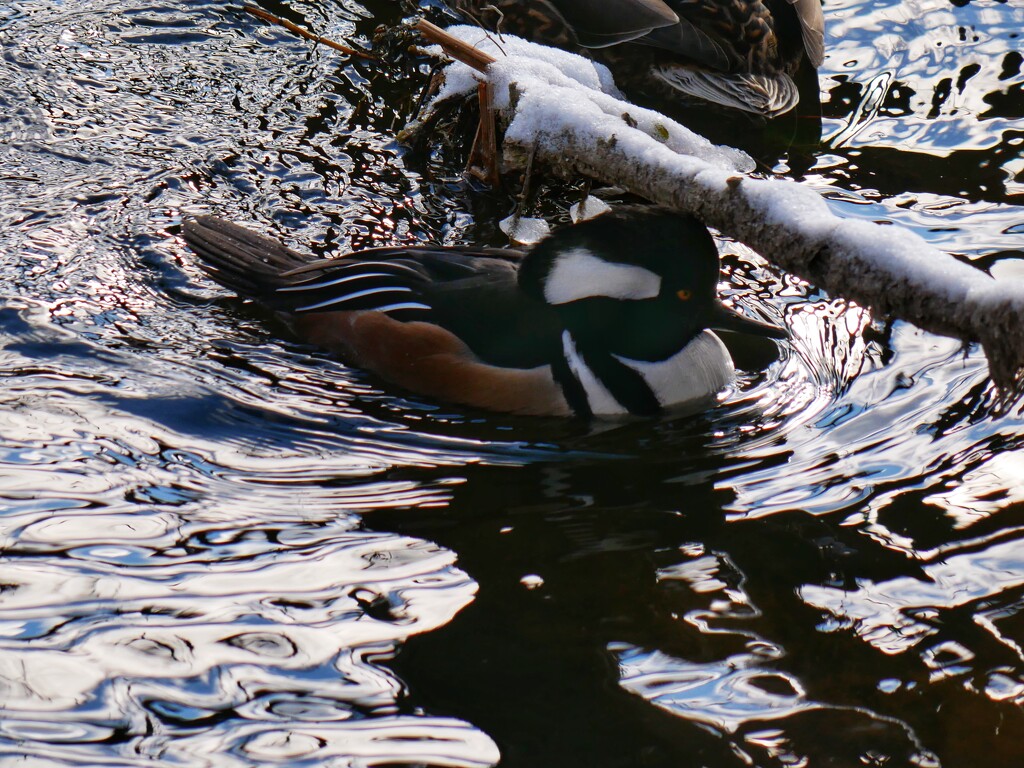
(219, 546)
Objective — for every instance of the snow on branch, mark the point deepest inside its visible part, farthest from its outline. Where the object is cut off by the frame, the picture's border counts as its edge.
(566, 112)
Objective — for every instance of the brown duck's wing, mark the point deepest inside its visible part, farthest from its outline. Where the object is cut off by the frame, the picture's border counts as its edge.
(742, 29)
(473, 293)
(691, 41)
(768, 95)
(470, 293)
(812, 28)
(429, 359)
(600, 23)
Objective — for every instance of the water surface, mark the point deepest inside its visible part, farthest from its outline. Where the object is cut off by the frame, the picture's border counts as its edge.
(221, 547)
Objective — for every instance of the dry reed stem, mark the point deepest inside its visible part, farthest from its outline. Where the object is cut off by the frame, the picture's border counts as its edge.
(296, 29)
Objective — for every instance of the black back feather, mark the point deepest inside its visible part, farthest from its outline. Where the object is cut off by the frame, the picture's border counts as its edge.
(470, 291)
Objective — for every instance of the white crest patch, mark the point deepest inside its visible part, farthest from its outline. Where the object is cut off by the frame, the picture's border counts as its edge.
(579, 274)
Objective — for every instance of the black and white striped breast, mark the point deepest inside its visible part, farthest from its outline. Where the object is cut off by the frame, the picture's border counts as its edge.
(605, 384)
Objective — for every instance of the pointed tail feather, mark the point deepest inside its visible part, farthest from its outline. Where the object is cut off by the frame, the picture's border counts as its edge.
(239, 259)
(262, 269)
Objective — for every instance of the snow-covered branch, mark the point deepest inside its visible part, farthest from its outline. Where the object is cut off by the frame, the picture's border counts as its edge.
(565, 111)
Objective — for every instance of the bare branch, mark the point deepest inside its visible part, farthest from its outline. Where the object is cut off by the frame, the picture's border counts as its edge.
(468, 54)
(296, 29)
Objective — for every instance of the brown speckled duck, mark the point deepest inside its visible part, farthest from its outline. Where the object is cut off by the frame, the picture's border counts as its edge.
(738, 53)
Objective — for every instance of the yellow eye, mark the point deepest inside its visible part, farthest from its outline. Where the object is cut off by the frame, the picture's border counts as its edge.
(685, 294)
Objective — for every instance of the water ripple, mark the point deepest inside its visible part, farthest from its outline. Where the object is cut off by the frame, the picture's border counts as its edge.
(219, 544)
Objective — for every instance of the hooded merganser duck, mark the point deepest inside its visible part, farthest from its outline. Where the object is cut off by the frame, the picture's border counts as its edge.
(606, 317)
(737, 53)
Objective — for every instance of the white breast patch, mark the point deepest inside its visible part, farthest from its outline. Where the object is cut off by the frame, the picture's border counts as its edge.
(699, 370)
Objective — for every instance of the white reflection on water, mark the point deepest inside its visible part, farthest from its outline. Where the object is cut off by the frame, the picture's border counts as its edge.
(995, 484)
(918, 44)
(900, 614)
(873, 435)
(188, 577)
(726, 694)
(295, 606)
(357, 744)
(929, 82)
(305, 618)
(748, 696)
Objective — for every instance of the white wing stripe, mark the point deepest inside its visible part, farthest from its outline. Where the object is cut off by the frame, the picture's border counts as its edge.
(402, 305)
(329, 283)
(338, 266)
(353, 296)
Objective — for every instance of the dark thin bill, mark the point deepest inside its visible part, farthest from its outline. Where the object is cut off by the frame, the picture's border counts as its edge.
(725, 319)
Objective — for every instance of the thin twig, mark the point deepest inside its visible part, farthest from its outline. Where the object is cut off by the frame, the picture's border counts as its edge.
(497, 27)
(296, 29)
(501, 19)
(526, 195)
(483, 157)
(429, 89)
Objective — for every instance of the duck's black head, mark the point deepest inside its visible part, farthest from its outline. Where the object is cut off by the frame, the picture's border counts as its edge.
(637, 282)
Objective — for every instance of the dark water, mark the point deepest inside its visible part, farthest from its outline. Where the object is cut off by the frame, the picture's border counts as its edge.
(222, 548)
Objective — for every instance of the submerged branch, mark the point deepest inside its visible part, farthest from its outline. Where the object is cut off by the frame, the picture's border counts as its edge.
(296, 29)
(573, 120)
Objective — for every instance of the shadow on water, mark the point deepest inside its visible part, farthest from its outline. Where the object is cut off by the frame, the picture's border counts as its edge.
(585, 601)
(224, 548)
